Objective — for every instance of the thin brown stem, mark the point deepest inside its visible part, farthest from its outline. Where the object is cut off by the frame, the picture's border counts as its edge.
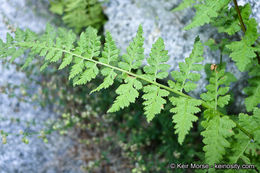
(243, 26)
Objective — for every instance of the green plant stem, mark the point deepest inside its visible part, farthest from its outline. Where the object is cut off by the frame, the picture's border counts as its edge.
(204, 104)
(243, 26)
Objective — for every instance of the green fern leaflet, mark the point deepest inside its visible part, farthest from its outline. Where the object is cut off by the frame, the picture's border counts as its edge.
(217, 130)
(184, 115)
(127, 92)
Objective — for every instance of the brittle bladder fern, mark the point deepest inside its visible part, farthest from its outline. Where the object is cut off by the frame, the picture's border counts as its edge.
(86, 60)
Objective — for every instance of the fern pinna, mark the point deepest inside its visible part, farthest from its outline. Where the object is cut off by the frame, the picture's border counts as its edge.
(86, 59)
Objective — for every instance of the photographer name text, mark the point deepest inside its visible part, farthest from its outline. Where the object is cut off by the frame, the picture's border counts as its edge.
(206, 166)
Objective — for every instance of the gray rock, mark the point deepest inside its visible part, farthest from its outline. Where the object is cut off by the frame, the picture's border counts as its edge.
(255, 9)
(15, 156)
(158, 21)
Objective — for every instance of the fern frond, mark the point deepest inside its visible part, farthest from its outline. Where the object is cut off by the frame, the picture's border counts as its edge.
(127, 92)
(228, 21)
(110, 52)
(154, 100)
(253, 90)
(28, 60)
(89, 47)
(239, 149)
(217, 130)
(254, 94)
(185, 108)
(184, 115)
(66, 61)
(109, 56)
(89, 43)
(135, 52)
(10, 48)
(186, 67)
(216, 94)
(205, 11)
(243, 51)
(244, 145)
(157, 69)
(89, 74)
(108, 81)
(67, 38)
(51, 45)
(132, 60)
(77, 68)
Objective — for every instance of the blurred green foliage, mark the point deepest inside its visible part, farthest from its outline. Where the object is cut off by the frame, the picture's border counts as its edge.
(78, 14)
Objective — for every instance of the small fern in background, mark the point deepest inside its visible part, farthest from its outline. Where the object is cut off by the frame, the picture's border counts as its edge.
(78, 14)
